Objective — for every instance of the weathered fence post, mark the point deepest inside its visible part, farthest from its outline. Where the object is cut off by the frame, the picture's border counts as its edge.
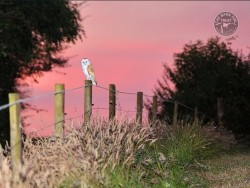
(112, 101)
(59, 110)
(175, 117)
(15, 134)
(196, 118)
(220, 111)
(154, 108)
(87, 102)
(139, 107)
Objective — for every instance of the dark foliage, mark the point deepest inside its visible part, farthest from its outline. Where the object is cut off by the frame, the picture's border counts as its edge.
(32, 33)
(204, 72)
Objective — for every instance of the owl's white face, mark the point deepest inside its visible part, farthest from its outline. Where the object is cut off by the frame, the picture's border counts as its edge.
(85, 61)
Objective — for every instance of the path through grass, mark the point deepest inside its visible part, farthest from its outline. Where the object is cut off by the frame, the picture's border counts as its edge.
(230, 169)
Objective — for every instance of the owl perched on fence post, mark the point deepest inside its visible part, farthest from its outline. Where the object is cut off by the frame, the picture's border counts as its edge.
(88, 70)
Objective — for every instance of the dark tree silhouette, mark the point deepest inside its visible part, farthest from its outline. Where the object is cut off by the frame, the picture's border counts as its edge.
(202, 74)
(32, 33)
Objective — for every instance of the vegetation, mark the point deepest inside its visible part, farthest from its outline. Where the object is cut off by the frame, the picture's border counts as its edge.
(32, 34)
(125, 154)
(205, 74)
(230, 168)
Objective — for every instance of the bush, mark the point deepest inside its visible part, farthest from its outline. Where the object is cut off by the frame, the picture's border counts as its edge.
(182, 146)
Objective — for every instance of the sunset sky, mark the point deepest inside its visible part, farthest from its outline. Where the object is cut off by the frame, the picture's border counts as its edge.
(127, 42)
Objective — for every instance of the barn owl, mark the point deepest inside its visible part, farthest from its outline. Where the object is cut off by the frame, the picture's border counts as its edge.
(88, 70)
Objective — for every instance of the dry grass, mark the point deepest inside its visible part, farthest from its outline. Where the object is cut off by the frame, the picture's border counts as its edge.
(82, 157)
(121, 154)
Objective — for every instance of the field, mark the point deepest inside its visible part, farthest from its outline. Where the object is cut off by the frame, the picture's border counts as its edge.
(126, 154)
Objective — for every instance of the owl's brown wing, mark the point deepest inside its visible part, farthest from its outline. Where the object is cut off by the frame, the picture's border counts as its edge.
(91, 73)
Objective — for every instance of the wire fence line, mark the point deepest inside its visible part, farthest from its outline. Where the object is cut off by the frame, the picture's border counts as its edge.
(131, 93)
(25, 100)
(2, 107)
(117, 92)
(166, 100)
(37, 97)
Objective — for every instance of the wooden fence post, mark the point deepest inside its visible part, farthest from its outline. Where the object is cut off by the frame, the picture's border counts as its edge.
(87, 102)
(196, 118)
(139, 107)
(15, 134)
(154, 108)
(112, 101)
(59, 110)
(175, 117)
(220, 111)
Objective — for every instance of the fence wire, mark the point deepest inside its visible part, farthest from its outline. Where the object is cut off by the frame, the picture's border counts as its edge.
(25, 100)
(38, 96)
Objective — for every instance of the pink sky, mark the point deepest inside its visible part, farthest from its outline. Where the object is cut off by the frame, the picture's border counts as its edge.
(127, 42)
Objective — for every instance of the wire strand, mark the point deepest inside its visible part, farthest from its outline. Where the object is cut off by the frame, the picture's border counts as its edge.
(38, 96)
(128, 93)
(98, 86)
(105, 88)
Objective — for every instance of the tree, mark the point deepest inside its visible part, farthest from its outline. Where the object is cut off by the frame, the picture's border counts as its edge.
(202, 74)
(32, 34)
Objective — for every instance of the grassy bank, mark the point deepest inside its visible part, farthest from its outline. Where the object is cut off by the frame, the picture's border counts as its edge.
(125, 154)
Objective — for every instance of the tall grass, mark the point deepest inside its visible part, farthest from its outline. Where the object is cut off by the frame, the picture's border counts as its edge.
(185, 146)
(84, 157)
(112, 154)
